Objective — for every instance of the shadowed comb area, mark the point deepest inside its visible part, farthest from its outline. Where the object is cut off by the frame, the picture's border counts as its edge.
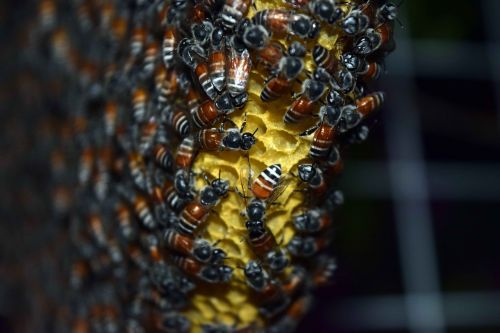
(194, 148)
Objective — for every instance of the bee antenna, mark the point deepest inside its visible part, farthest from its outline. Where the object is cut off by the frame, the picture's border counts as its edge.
(255, 131)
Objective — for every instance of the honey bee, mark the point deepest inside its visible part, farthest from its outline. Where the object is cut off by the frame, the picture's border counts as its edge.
(219, 139)
(205, 272)
(307, 246)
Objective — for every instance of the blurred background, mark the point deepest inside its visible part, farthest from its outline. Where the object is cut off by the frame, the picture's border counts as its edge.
(418, 237)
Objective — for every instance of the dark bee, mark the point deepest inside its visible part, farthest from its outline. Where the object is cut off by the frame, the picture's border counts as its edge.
(143, 212)
(217, 59)
(364, 106)
(325, 10)
(373, 40)
(272, 297)
(184, 183)
(264, 246)
(199, 249)
(175, 323)
(218, 139)
(209, 111)
(312, 221)
(233, 11)
(206, 272)
(172, 198)
(306, 246)
(355, 22)
(313, 176)
(139, 103)
(352, 62)
(201, 32)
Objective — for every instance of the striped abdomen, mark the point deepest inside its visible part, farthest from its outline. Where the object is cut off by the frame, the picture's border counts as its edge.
(217, 68)
(266, 182)
(192, 216)
(202, 74)
(322, 141)
(210, 139)
(205, 115)
(185, 153)
(300, 108)
(275, 88)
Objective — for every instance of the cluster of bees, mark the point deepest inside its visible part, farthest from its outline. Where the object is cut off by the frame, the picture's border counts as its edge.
(149, 85)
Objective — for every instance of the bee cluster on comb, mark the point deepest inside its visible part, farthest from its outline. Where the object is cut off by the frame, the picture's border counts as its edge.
(178, 219)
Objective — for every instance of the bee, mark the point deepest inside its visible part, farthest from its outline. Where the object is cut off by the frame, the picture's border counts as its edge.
(264, 245)
(282, 22)
(193, 100)
(47, 14)
(172, 198)
(199, 249)
(289, 68)
(169, 86)
(143, 211)
(269, 56)
(202, 32)
(325, 131)
(268, 181)
(179, 121)
(151, 55)
(110, 117)
(325, 10)
(217, 59)
(124, 219)
(148, 132)
(253, 36)
(184, 183)
(208, 111)
(355, 23)
(238, 71)
(190, 54)
(205, 272)
(370, 71)
(323, 271)
(324, 58)
(83, 16)
(273, 299)
(366, 105)
(219, 139)
(85, 165)
(160, 209)
(388, 12)
(313, 176)
(233, 11)
(196, 212)
(352, 62)
(168, 46)
(312, 221)
(373, 40)
(306, 246)
(97, 229)
(139, 102)
(186, 153)
(137, 168)
(162, 156)
(303, 106)
(152, 244)
(137, 40)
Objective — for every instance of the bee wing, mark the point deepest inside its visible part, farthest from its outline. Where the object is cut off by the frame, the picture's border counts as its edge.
(240, 65)
(278, 191)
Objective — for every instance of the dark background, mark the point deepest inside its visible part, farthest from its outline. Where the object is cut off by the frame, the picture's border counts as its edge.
(418, 237)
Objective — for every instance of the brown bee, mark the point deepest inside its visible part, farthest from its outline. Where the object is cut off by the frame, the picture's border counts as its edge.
(306, 246)
(208, 111)
(186, 153)
(282, 21)
(217, 59)
(269, 56)
(303, 106)
(289, 68)
(199, 249)
(137, 169)
(313, 176)
(218, 139)
(205, 272)
(168, 46)
(179, 121)
(233, 11)
(325, 131)
(139, 103)
(137, 40)
(312, 221)
(366, 105)
(324, 58)
(143, 211)
(148, 132)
